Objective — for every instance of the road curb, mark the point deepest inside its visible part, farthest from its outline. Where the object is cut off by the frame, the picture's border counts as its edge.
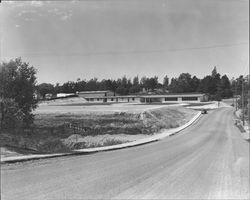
(157, 137)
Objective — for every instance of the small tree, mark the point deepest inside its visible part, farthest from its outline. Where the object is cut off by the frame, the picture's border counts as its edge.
(17, 90)
(45, 88)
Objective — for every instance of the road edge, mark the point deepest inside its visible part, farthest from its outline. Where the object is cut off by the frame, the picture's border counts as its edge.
(244, 130)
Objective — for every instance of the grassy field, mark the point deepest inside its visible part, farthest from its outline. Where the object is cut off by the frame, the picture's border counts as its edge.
(97, 109)
(64, 128)
(197, 104)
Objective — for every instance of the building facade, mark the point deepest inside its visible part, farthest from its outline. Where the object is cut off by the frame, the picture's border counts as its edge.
(174, 98)
(108, 96)
(90, 94)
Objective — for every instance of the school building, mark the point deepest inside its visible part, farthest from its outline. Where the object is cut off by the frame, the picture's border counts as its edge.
(108, 96)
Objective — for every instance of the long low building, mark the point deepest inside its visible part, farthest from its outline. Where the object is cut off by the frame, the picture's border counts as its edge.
(175, 97)
(122, 99)
(107, 96)
(102, 93)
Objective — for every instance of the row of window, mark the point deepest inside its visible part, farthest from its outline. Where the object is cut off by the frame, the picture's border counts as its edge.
(183, 98)
(112, 99)
(166, 99)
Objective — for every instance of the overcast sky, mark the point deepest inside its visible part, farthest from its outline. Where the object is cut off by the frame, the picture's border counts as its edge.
(66, 40)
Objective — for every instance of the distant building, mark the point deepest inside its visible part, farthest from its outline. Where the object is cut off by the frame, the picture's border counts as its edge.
(58, 95)
(86, 94)
(96, 96)
(108, 96)
(185, 97)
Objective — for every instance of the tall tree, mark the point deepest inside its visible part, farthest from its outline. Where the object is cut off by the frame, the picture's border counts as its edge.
(214, 72)
(195, 82)
(181, 84)
(165, 82)
(226, 87)
(91, 85)
(143, 82)
(174, 86)
(69, 87)
(206, 84)
(45, 88)
(185, 82)
(17, 83)
(124, 81)
(136, 81)
(152, 82)
(57, 88)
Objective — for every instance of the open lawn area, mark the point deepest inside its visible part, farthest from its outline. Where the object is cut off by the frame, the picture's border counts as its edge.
(97, 109)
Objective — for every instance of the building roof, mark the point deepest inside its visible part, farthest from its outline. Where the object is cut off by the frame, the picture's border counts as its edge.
(174, 95)
(152, 96)
(108, 97)
(93, 92)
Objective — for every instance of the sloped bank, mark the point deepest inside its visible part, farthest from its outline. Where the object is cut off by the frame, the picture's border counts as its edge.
(122, 128)
(105, 130)
(154, 138)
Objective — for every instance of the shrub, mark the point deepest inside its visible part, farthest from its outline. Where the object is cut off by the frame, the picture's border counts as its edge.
(11, 116)
(53, 146)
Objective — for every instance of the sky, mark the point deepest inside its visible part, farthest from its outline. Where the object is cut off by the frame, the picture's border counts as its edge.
(67, 40)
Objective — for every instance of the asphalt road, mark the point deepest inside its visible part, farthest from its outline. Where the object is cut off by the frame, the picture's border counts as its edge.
(207, 160)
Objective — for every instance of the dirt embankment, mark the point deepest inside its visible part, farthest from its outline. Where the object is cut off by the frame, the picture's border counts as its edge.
(65, 132)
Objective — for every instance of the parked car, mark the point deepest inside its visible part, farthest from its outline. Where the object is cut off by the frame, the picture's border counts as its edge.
(204, 111)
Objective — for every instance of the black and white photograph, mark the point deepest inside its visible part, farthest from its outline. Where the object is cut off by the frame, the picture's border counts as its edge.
(124, 99)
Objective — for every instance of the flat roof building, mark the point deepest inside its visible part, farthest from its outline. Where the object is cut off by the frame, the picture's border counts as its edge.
(108, 96)
(86, 94)
(175, 97)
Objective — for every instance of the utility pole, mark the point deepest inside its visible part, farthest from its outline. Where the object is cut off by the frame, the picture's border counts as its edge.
(236, 95)
(248, 99)
(248, 102)
(242, 103)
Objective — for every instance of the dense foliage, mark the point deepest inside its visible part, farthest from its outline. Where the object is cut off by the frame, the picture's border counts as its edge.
(17, 89)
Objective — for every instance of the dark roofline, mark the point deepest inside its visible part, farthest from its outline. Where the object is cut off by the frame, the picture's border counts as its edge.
(150, 96)
(106, 97)
(93, 92)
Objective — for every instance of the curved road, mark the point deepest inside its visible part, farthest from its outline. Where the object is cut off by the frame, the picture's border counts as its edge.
(207, 160)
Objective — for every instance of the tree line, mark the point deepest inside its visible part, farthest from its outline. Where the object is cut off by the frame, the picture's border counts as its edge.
(215, 85)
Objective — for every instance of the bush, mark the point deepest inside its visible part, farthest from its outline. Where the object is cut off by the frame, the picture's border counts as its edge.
(11, 116)
(53, 146)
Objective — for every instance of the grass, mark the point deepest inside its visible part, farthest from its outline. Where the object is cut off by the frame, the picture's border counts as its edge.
(111, 142)
(88, 104)
(197, 104)
(51, 133)
(157, 103)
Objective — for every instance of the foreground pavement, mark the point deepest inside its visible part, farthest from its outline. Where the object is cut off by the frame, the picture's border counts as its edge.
(208, 160)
